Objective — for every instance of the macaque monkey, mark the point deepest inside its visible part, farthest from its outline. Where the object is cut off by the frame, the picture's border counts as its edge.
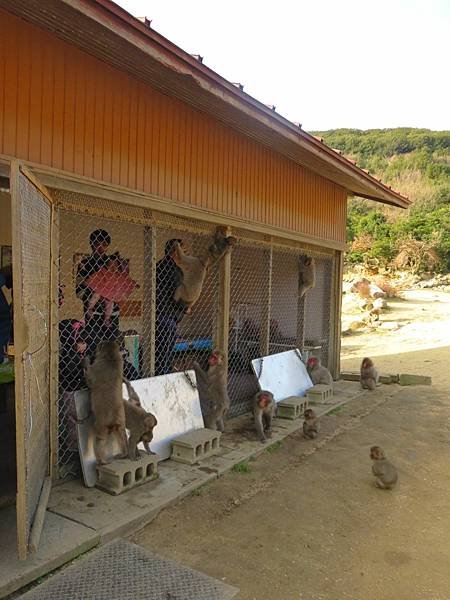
(104, 379)
(213, 389)
(369, 375)
(194, 268)
(311, 425)
(132, 394)
(140, 424)
(384, 471)
(307, 274)
(318, 373)
(264, 409)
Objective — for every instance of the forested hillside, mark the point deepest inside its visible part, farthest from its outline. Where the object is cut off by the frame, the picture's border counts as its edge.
(415, 162)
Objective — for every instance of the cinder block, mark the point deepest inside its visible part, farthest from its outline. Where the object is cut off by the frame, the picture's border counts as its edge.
(405, 379)
(347, 376)
(320, 393)
(124, 474)
(388, 379)
(194, 446)
(292, 407)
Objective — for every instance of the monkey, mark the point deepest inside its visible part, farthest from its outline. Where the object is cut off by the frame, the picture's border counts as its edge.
(317, 372)
(140, 424)
(384, 471)
(132, 394)
(369, 375)
(104, 379)
(307, 274)
(213, 389)
(264, 409)
(194, 268)
(311, 425)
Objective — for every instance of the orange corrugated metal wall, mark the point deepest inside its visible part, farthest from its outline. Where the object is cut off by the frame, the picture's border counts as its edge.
(63, 108)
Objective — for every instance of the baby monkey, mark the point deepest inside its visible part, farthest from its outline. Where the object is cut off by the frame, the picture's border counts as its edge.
(311, 425)
(140, 424)
(384, 471)
(369, 375)
(264, 409)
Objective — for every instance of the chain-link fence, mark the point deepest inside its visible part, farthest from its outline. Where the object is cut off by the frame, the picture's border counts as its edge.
(117, 282)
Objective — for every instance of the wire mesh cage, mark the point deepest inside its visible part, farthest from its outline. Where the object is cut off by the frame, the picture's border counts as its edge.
(116, 282)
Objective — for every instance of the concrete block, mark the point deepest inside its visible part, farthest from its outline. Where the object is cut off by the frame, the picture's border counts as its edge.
(405, 379)
(388, 379)
(123, 474)
(292, 407)
(347, 376)
(194, 446)
(320, 394)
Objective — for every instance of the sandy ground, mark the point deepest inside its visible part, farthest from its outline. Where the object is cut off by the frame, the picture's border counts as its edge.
(306, 520)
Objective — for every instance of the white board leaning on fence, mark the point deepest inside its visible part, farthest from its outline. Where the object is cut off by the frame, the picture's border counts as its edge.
(171, 398)
(283, 374)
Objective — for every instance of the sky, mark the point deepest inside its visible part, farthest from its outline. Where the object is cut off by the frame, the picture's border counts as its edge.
(324, 63)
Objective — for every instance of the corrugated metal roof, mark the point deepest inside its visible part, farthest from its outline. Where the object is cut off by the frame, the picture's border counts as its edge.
(108, 32)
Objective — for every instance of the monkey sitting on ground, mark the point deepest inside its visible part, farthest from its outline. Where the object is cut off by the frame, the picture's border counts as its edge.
(264, 409)
(104, 379)
(213, 389)
(140, 424)
(194, 268)
(384, 471)
(307, 274)
(311, 425)
(369, 375)
(317, 372)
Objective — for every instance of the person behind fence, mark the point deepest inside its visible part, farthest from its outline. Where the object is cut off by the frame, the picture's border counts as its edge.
(168, 312)
(5, 311)
(101, 318)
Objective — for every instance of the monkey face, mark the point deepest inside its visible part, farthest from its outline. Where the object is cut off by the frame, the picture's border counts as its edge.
(312, 362)
(367, 363)
(264, 400)
(309, 413)
(216, 358)
(376, 453)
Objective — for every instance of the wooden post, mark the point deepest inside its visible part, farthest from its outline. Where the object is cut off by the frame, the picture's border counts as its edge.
(334, 350)
(54, 341)
(264, 342)
(223, 303)
(149, 302)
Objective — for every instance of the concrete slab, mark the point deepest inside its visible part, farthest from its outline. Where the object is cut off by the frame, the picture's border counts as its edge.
(61, 541)
(113, 516)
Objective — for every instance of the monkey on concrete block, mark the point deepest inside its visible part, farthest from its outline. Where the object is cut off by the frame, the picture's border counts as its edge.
(384, 471)
(307, 274)
(264, 410)
(213, 389)
(317, 372)
(104, 379)
(369, 374)
(311, 425)
(194, 268)
(140, 424)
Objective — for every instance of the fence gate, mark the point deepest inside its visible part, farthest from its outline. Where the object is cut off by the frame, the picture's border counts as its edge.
(32, 284)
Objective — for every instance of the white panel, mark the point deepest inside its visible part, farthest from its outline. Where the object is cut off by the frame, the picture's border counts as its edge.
(283, 374)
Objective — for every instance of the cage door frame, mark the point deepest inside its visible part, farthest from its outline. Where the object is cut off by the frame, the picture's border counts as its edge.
(33, 386)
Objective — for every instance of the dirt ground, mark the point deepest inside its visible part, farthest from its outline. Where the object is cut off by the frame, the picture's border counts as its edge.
(305, 521)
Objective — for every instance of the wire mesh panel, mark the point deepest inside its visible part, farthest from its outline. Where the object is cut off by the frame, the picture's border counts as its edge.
(118, 282)
(250, 277)
(32, 281)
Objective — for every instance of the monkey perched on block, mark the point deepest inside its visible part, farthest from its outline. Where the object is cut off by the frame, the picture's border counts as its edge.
(194, 268)
(307, 274)
(317, 372)
(264, 409)
(384, 471)
(213, 390)
(140, 424)
(369, 375)
(311, 425)
(104, 379)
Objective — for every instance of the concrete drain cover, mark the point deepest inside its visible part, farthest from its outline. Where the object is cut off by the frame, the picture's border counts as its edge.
(120, 570)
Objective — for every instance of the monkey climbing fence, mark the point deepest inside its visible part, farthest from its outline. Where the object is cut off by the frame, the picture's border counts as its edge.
(118, 251)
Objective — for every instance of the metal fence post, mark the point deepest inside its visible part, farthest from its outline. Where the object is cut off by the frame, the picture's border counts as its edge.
(149, 302)
(265, 309)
